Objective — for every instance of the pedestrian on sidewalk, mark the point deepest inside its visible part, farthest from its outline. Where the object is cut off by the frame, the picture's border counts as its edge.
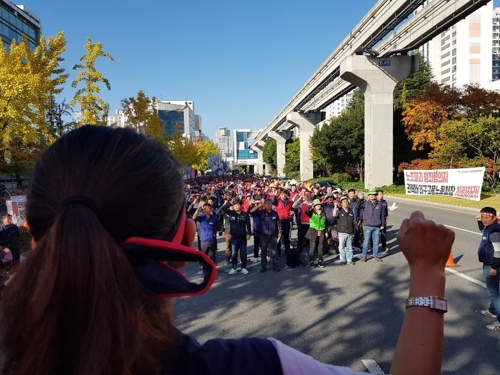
(316, 232)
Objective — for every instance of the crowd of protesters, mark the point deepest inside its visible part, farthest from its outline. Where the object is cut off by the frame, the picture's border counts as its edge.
(328, 220)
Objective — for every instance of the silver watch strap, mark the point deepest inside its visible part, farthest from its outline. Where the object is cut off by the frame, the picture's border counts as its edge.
(433, 302)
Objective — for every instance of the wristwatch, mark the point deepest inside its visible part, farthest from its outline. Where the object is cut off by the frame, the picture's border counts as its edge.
(435, 303)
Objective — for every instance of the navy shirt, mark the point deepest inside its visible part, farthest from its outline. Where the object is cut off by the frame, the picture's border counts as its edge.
(207, 227)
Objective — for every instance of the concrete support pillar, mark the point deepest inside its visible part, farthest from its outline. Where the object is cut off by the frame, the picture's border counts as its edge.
(259, 169)
(281, 138)
(377, 77)
(306, 122)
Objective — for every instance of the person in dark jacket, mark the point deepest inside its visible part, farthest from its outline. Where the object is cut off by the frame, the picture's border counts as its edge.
(240, 234)
(9, 234)
(346, 227)
(489, 254)
(371, 214)
(256, 202)
(331, 234)
(270, 232)
(383, 232)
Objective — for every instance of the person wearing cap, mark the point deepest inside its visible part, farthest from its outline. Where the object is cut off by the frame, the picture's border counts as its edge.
(489, 254)
(270, 232)
(372, 216)
(346, 222)
(330, 207)
(240, 233)
(316, 232)
(208, 225)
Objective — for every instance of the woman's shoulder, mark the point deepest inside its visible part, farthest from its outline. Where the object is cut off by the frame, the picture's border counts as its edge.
(247, 356)
(225, 356)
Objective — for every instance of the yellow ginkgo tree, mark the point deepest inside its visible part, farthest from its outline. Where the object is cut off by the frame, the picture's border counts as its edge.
(29, 80)
(94, 110)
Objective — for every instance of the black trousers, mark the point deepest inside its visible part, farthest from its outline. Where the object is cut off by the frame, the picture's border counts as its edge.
(285, 236)
(256, 244)
(268, 244)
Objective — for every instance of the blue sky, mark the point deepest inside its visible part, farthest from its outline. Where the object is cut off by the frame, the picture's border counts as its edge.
(240, 61)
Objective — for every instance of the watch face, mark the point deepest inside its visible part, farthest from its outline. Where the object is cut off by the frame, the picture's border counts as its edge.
(440, 304)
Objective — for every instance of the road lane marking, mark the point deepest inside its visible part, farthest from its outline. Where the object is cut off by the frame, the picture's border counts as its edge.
(463, 230)
(466, 277)
(372, 367)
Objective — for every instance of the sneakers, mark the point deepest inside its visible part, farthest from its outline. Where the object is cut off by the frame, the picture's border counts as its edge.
(244, 271)
(494, 327)
(311, 265)
(321, 265)
(276, 268)
(488, 314)
(233, 271)
(262, 270)
(343, 263)
(351, 263)
(386, 250)
(363, 258)
(378, 259)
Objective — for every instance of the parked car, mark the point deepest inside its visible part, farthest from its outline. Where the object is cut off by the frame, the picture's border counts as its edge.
(326, 183)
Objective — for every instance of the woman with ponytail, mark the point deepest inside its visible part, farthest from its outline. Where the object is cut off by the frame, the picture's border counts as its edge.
(107, 214)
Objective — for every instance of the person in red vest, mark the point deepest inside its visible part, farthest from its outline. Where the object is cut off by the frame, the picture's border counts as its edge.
(301, 203)
(283, 206)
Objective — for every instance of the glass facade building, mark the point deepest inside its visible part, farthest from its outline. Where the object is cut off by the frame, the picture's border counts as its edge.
(170, 119)
(16, 21)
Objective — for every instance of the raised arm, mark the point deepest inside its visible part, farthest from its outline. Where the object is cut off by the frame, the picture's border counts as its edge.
(426, 247)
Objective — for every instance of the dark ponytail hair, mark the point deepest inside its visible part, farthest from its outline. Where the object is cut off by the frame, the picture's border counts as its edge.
(75, 306)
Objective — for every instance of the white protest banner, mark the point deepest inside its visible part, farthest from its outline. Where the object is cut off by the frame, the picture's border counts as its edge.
(465, 183)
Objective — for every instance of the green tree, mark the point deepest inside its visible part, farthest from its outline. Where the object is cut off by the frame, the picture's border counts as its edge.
(413, 85)
(292, 156)
(206, 148)
(142, 116)
(269, 154)
(93, 108)
(340, 143)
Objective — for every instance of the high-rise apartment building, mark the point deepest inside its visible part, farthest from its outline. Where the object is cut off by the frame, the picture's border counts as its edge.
(496, 45)
(462, 54)
(16, 21)
(336, 108)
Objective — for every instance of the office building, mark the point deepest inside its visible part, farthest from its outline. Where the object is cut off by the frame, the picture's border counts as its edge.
(177, 115)
(242, 155)
(16, 21)
(223, 141)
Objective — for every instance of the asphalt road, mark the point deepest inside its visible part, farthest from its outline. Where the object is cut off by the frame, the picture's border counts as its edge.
(343, 314)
